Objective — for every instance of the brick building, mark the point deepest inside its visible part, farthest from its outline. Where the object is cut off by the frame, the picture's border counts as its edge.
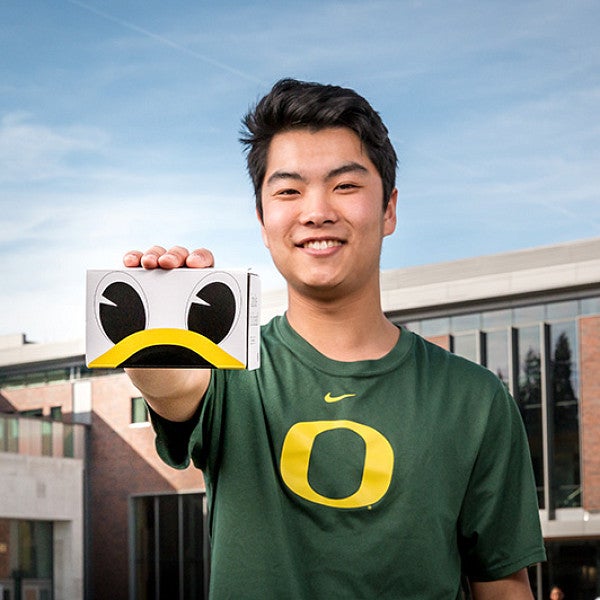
(80, 482)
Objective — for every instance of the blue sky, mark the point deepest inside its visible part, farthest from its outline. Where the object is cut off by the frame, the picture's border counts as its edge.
(119, 122)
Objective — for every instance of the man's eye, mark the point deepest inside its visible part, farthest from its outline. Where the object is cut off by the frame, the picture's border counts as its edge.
(346, 186)
(287, 192)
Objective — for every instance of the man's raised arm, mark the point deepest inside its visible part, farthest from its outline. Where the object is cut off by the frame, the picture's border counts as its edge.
(174, 394)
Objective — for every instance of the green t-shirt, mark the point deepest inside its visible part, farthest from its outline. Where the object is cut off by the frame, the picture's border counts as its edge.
(372, 479)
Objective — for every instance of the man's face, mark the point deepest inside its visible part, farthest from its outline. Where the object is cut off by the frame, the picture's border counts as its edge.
(323, 218)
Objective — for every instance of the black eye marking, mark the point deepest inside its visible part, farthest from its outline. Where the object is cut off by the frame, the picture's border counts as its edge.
(213, 314)
(121, 311)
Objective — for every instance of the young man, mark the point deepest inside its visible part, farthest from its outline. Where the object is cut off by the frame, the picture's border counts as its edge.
(359, 461)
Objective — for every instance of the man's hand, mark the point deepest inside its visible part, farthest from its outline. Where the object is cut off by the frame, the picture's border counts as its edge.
(173, 393)
(158, 257)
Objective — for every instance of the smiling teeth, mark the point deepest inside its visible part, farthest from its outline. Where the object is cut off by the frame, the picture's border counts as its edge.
(322, 244)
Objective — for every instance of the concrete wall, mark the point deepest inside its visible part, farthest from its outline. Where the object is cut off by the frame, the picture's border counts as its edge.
(49, 489)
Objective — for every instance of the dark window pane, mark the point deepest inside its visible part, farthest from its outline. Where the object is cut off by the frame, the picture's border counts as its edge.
(497, 354)
(573, 566)
(34, 556)
(193, 545)
(144, 549)
(46, 438)
(529, 398)
(564, 377)
(169, 535)
(68, 441)
(168, 544)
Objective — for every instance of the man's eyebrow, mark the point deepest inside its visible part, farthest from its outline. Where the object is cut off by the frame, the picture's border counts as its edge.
(277, 175)
(350, 167)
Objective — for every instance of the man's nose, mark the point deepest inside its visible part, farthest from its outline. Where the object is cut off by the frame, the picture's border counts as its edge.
(318, 208)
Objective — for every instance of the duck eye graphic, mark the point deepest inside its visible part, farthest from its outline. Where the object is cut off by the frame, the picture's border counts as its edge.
(121, 311)
(212, 311)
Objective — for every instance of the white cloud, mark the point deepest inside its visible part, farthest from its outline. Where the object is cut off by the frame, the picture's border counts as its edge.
(30, 151)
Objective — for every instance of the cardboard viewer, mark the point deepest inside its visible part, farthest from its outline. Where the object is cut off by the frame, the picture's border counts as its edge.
(204, 318)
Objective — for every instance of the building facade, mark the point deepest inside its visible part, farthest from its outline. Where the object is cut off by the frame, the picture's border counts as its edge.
(127, 526)
(111, 495)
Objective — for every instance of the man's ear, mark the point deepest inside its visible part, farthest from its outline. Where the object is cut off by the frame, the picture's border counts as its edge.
(263, 233)
(389, 216)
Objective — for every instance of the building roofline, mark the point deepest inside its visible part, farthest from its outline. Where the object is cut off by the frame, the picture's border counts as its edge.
(61, 354)
(580, 251)
(568, 267)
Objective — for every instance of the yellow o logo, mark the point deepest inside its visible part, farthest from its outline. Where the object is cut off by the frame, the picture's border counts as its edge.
(377, 468)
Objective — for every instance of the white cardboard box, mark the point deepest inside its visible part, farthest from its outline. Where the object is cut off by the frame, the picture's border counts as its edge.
(205, 318)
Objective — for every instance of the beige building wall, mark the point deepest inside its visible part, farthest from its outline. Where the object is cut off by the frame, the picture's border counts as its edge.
(49, 489)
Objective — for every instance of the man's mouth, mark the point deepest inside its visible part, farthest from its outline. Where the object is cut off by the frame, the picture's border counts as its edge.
(321, 244)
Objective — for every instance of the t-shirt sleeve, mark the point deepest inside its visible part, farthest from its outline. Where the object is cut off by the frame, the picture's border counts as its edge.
(499, 527)
(178, 443)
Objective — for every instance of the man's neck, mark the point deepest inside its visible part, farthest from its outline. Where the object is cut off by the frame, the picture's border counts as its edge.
(345, 329)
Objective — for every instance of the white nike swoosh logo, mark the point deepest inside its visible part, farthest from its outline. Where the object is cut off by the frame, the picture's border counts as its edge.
(329, 398)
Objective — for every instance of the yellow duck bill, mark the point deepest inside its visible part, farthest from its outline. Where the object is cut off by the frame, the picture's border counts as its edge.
(166, 347)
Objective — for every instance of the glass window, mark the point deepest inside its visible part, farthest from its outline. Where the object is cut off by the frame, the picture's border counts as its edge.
(414, 326)
(527, 315)
(144, 524)
(494, 319)
(431, 327)
(168, 543)
(12, 434)
(565, 384)
(529, 398)
(34, 412)
(573, 565)
(46, 438)
(57, 375)
(26, 559)
(465, 345)
(193, 544)
(56, 413)
(590, 306)
(561, 310)
(139, 410)
(465, 322)
(69, 441)
(169, 534)
(3, 434)
(496, 352)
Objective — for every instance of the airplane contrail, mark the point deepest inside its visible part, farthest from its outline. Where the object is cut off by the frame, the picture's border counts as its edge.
(166, 41)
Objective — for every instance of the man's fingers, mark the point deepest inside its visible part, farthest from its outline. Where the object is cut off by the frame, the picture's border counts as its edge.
(200, 258)
(150, 258)
(133, 258)
(173, 258)
(177, 256)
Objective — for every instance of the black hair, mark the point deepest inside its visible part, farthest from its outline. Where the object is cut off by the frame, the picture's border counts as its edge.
(293, 104)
